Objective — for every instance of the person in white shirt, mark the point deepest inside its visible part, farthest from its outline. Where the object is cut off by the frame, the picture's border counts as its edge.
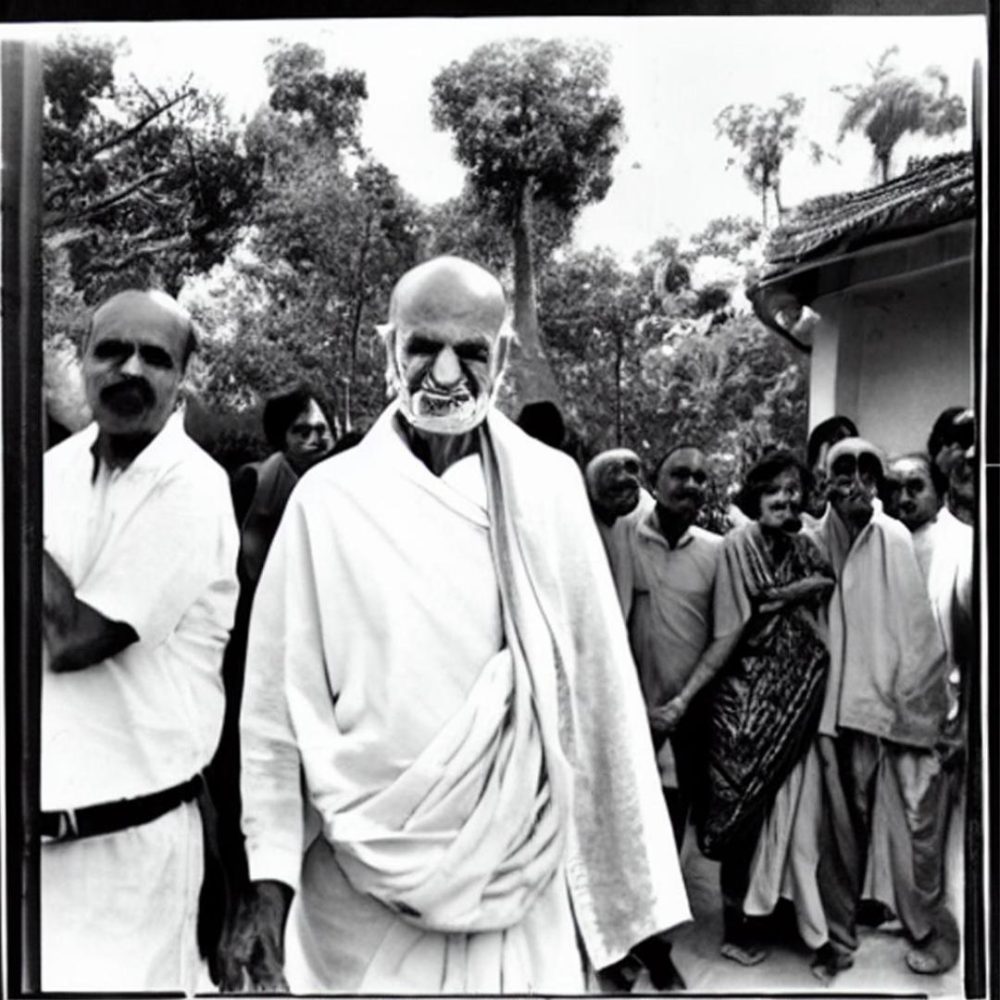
(139, 589)
(436, 645)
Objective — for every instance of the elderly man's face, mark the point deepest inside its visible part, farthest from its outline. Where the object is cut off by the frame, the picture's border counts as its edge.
(781, 502)
(617, 490)
(446, 367)
(133, 364)
(911, 496)
(853, 486)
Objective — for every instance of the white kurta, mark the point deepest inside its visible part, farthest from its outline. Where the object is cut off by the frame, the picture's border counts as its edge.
(153, 545)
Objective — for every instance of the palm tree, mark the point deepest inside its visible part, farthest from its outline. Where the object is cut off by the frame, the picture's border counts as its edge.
(891, 104)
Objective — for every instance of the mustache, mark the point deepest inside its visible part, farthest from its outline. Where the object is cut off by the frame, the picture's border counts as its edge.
(123, 390)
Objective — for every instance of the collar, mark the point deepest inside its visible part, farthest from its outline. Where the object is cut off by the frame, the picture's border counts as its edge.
(159, 451)
(649, 527)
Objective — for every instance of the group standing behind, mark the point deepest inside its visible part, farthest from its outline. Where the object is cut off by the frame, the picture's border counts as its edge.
(453, 732)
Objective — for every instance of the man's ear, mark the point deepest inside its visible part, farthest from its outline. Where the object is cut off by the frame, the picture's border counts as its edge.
(501, 351)
(387, 332)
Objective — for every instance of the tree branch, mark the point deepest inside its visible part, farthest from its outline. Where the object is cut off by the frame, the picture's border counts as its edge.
(132, 130)
(138, 253)
(55, 220)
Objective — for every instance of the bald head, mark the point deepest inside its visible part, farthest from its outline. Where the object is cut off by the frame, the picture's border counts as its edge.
(856, 469)
(910, 494)
(152, 306)
(613, 483)
(446, 341)
(133, 362)
(449, 288)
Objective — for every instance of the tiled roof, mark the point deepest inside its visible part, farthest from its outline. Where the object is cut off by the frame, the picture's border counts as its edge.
(934, 192)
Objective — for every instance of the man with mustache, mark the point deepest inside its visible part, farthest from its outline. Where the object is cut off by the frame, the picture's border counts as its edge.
(669, 576)
(436, 644)
(882, 730)
(139, 587)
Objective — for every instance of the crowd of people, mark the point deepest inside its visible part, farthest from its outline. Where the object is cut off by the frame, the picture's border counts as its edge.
(803, 676)
(384, 715)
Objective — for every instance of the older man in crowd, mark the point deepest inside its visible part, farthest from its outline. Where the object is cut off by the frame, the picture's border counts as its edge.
(617, 500)
(436, 643)
(882, 726)
(139, 587)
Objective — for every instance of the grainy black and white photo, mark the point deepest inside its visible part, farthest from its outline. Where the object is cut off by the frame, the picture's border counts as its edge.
(507, 503)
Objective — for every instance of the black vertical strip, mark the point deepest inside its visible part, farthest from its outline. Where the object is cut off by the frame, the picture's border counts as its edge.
(991, 577)
(22, 482)
(975, 914)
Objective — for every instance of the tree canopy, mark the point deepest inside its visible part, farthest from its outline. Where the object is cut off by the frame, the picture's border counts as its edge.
(535, 125)
(892, 104)
(140, 185)
(764, 136)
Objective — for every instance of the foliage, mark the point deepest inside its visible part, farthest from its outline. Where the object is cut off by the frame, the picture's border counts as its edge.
(764, 136)
(646, 371)
(332, 232)
(890, 105)
(140, 186)
(535, 125)
(728, 236)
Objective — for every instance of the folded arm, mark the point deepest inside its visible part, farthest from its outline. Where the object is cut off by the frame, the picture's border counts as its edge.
(76, 635)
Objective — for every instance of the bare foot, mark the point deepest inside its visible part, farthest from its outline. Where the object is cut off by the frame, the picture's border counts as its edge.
(744, 954)
(828, 961)
(932, 959)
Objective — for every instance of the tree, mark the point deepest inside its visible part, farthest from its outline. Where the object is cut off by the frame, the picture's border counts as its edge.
(763, 136)
(589, 307)
(139, 185)
(332, 232)
(728, 236)
(535, 125)
(891, 105)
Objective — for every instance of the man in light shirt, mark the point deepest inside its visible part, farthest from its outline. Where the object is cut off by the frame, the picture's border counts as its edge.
(139, 588)
(437, 645)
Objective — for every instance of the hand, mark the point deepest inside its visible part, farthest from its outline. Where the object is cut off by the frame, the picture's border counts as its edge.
(665, 719)
(799, 590)
(252, 953)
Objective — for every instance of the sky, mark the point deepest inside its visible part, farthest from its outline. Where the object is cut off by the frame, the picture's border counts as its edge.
(672, 74)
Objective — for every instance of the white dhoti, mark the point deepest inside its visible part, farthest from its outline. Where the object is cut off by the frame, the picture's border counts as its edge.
(120, 911)
(339, 935)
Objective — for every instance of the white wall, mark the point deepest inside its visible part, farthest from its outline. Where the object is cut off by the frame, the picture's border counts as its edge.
(892, 354)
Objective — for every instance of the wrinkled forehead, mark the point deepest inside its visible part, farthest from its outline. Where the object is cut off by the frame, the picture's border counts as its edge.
(854, 453)
(449, 306)
(910, 467)
(141, 316)
(610, 464)
(684, 458)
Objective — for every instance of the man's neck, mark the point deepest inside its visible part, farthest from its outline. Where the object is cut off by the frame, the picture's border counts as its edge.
(439, 451)
(605, 516)
(118, 451)
(854, 526)
(672, 526)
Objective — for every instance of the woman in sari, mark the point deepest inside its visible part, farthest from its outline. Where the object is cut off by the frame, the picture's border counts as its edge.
(762, 706)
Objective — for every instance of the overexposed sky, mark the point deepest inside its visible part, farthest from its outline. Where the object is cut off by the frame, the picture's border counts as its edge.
(673, 75)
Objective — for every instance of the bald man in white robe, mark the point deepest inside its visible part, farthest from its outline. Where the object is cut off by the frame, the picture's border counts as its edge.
(437, 648)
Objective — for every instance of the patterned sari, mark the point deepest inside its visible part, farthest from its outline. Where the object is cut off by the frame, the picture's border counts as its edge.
(763, 707)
